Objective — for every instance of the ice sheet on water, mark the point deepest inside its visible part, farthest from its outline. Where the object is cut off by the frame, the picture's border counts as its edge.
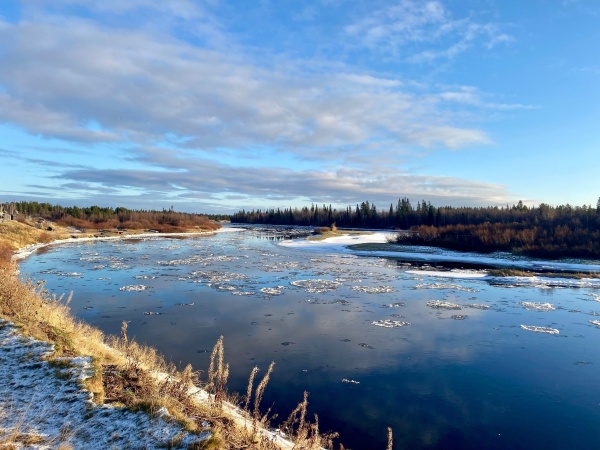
(439, 304)
(595, 322)
(316, 286)
(373, 289)
(537, 329)
(278, 290)
(538, 306)
(134, 288)
(478, 306)
(596, 297)
(393, 305)
(454, 287)
(387, 323)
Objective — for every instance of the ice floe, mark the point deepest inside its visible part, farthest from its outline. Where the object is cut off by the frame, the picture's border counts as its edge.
(317, 286)
(387, 323)
(134, 287)
(538, 306)
(537, 329)
(278, 290)
(453, 287)
(595, 322)
(439, 304)
(373, 289)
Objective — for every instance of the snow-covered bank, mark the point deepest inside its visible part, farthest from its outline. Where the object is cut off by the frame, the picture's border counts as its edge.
(30, 249)
(430, 255)
(46, 402)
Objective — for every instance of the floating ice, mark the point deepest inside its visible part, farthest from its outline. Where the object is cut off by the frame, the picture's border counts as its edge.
(538, 306)
(454, 287)
(540, 329)
(478, 306)
(386, 323)
(393, 305)
(438, 304)
(346, 380)
(134, 287)
(373, 290)
(596, 297)
(144, 277)
(316, 286)
(242, 293)
(273, 290)
(153, 313)
(459, 317)
(595, 322)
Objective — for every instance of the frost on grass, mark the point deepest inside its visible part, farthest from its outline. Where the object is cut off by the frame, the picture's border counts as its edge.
(537, 329)
(387, 323)
(45, 401)
(374, 289)
(538, 306)
(439, 304)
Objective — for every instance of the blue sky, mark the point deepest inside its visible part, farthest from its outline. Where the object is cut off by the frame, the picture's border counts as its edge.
(215, 106)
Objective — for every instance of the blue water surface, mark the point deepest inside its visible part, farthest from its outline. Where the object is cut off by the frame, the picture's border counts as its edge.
(466, 378)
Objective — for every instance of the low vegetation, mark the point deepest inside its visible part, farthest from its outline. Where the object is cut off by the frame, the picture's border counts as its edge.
(135, 376)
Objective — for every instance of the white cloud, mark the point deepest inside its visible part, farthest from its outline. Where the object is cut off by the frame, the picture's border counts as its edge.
(423, 31)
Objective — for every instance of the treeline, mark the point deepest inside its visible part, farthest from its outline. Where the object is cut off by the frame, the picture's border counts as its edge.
(546, 241)
(404, 215)
(96, 217)
(548, 231)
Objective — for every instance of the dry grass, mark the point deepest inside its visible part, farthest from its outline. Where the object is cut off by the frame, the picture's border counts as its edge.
(136, 376)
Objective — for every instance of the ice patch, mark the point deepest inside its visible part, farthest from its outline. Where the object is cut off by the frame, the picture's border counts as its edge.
(273, 290)
(386, 323)
(537, 329)
(374, 290)
(134, 288)
(595, 322)
(316, 286)
(438, 304)
(454, 287)
(538, 306)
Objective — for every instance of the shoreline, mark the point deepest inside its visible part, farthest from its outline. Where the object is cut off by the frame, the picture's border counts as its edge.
(558, 273)
(28, 250)
(80, 368)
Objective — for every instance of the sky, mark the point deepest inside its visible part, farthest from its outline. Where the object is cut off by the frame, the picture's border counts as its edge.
(215, 106)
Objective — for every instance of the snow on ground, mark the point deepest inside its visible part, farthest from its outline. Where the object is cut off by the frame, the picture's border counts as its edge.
(341, 244)
(30, 249)
(46, 400)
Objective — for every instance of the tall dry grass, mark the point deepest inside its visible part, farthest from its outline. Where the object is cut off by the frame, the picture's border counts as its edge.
(137, 376)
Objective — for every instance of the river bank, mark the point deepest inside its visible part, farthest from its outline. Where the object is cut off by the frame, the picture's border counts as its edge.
(71, 369)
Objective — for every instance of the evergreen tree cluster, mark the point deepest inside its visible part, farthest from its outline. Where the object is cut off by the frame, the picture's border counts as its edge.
(106, 217)
(549, 231)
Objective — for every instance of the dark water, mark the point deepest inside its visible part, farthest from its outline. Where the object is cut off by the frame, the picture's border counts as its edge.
(475, 380)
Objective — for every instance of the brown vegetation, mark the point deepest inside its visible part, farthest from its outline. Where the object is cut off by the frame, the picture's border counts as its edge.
(132, 375)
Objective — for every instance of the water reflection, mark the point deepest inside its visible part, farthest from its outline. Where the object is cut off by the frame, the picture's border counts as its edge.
(462, 377)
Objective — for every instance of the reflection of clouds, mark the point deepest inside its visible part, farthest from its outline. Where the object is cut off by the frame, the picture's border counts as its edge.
(406, 370)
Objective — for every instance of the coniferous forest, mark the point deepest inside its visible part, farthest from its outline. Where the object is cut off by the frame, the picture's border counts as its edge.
(543, 231)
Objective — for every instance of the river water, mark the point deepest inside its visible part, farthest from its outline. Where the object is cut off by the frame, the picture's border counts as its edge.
(447, 359)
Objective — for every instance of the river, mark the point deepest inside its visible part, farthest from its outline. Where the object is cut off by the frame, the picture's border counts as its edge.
(447, 358)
